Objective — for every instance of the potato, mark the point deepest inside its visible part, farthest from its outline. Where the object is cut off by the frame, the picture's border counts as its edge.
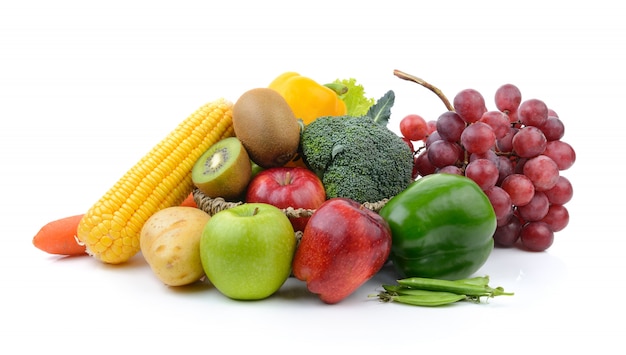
(170, 243)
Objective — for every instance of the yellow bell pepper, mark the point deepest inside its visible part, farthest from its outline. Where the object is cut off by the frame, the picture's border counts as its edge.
(307, 98)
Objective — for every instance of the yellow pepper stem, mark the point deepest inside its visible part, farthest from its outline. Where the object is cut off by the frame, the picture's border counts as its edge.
(339, 89)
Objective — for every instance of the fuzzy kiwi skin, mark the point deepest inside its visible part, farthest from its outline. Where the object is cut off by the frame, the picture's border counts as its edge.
(267, 127)
(231, 182)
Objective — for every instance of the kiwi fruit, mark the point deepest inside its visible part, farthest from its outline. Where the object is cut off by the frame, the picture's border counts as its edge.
(267, 127)
(224, 170)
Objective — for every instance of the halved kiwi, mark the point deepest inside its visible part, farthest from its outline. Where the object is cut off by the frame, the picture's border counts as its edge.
(224, 170)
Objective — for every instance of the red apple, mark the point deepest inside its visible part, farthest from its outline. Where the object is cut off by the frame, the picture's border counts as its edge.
(343, 245)
(288, 187)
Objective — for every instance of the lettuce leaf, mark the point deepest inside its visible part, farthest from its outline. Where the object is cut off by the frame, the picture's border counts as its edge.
(357, 103)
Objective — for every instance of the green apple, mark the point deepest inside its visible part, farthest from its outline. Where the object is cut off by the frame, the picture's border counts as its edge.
(246, 251)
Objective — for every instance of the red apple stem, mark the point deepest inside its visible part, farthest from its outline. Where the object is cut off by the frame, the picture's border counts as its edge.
(288, 179)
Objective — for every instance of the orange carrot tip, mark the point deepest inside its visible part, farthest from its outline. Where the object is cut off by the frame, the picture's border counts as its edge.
(59, 237)
(189, 201)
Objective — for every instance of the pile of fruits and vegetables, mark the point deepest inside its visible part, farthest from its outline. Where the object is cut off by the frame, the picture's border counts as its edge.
(304, 180)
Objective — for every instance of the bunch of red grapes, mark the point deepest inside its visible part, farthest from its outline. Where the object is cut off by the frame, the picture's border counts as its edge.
(515, 154)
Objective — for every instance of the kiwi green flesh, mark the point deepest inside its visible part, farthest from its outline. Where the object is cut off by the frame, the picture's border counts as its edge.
(214, 162)
(223, 170)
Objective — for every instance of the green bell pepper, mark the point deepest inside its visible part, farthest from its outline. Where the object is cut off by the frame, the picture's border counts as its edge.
(442, 227)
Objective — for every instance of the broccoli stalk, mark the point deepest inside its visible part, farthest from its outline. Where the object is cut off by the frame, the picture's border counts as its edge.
(358, 157)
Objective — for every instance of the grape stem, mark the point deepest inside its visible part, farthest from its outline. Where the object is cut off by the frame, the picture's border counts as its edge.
(402, 75)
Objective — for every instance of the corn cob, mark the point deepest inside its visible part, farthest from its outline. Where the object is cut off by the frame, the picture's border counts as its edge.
(162, 178)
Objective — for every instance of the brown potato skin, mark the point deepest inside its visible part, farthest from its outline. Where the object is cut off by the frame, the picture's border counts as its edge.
(170, 244)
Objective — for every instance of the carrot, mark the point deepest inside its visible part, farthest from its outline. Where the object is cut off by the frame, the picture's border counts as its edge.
(59, 237)
(189, 201)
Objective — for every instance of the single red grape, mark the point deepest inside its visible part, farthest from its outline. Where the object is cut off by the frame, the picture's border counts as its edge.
(422, 164)
(478, 138)
(542, 171)
(498, 121)
(501, 203)
(469, 104)
(505, 168)
(529, 142)
(432, 137)
(562, 153)
(508, 98)
(536, 236)
(520, 189)
(557, 217)
(483, 172)
(507, 235)
(505, 144)
(553, 128)
(443, 153)
(561, 193)
(536, 209)
(450, 126)
(432, 126)
(414, 127)
(532, 112)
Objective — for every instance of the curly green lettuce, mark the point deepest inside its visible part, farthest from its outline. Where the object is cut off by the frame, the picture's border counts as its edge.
(357, 103)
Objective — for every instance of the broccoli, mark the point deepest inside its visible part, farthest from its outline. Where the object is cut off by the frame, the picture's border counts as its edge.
(358, 157)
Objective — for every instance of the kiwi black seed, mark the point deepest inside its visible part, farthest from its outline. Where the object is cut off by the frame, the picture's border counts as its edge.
(224, 170)
(267, 127)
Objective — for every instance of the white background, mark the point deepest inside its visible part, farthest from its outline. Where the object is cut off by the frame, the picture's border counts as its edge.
(87, 88)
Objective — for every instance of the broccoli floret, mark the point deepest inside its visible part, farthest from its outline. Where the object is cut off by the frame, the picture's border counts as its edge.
(357, 158)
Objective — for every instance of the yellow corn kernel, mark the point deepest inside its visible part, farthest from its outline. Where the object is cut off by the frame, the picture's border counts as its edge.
(162, 178)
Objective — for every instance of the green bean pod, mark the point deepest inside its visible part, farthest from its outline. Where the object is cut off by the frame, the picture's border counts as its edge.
(422, 297)
(460, 287)
(403, 291)
(476, 281)
(437, 292)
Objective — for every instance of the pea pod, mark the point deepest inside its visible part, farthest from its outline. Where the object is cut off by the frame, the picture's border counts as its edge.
(476, 281)
(436, 292)
(459, 287)
(423, 298)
